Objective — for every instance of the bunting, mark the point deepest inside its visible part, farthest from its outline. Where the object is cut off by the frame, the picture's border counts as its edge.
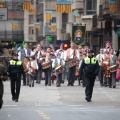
(2, 4)
(48, 14)
(14, 24)
(53, 26)
(27, 5)
(77, 15)
(37, 25)
(63, 6)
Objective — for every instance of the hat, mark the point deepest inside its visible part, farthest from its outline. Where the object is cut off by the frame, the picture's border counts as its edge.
(90, 51)
(15, 54)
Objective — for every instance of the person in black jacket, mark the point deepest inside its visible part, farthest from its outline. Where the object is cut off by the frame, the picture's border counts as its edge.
(15, 69)
(90, 67)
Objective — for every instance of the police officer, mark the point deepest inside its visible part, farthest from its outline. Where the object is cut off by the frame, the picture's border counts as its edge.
(15, 69)
(91, 67)
(2, 76)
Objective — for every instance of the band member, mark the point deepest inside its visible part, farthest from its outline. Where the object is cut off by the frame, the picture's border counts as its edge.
(100, 57)
(15, 69)
(91, 68)
(71, 54)
(48, 70)
(25, 52)
(112, 81)
(32, 67)
(58, 63)
(107, 47)
(86, 48)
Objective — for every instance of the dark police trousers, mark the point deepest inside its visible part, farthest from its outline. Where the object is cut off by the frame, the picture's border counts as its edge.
(15, 85)
(1, 93)
(89, 83)
(59, 79)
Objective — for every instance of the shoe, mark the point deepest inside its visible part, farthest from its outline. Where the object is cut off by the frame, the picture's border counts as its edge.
(72, 85)
(16, 100)
(105, 85)
(110, 86)
(57, 85)
(114, 86)
(45, 84)
(62, 82)
(88, 100)
(49, 85)
(32, 85)
(13, 98)
(29, 85)
(68, 84)
(83, 85)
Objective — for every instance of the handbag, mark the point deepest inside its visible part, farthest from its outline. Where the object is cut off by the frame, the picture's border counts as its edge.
(118, 73)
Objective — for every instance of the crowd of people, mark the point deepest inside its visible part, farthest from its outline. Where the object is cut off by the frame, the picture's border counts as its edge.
(75, 63)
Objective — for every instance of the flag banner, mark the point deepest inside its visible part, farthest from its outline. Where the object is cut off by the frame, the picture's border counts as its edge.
(112, 7)
(2, 4)
(14, 24)
(63, 8)
(37, 26)
(53, 26)
(27, 5)
(76, 15)
(78, 34)
(63, 1)
(48, 14)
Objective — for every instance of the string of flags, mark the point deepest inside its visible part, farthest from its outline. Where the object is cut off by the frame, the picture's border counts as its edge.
(48, 14)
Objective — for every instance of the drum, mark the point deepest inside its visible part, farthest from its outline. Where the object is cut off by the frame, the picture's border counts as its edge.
(25, 62)
(71, 63)
(59, 69)
(45, 65)
(113, 68)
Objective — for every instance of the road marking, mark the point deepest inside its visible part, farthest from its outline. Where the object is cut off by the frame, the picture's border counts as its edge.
(107, 94)
(74, 105)
(10, 105)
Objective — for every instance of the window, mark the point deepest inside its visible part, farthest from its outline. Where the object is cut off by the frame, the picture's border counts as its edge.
(91, 6)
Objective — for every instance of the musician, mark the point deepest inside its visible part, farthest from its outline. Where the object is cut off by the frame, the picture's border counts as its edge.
(107, 47)
(48, 70)
(71, 54)
(32, 67)
(25, 52)
(15, 69)
(112, 81)
(100, 57)
(91, 68)
(61, 51)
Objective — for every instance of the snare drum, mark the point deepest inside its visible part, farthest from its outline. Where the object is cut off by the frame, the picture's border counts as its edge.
(113, 68)
(71, 63)
(45, 65)
(59, 69)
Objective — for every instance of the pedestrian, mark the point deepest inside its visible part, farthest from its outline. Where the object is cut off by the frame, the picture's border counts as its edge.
(91, 68)
(15, 69)
(2, 76)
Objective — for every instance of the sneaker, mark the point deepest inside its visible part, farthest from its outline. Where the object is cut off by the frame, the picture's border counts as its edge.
(16, 100)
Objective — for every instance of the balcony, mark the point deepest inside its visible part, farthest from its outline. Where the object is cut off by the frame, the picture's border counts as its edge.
(77, 4)
(11, 36)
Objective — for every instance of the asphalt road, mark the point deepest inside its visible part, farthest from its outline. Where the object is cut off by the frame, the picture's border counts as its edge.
(63, 103)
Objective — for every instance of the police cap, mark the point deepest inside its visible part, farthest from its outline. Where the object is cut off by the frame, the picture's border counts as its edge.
(15, 54)
(90, 51)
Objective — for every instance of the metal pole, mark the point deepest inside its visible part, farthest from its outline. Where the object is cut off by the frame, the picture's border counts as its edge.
(44, 20)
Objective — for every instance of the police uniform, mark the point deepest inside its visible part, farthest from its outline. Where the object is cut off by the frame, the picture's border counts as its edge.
(2, 71)
(91, 67)
(15, 69)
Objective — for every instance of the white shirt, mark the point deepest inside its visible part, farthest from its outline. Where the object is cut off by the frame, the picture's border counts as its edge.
(100, 57)
(71, 56)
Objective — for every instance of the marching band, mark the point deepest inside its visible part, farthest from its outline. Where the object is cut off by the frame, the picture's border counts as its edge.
(65, 64)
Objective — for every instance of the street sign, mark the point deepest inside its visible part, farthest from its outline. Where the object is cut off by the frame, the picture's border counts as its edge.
(3, 14)
(118, 32)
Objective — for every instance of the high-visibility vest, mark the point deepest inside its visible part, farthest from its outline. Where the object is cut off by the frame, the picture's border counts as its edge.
(13, 62)
(87, 60)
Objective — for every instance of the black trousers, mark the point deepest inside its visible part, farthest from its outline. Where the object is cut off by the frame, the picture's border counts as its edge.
(15, 85)
(89, 83)
(71, 75)
(1, 101)
(59, 79)
(100, 75)
(24, 78)
(48, 76)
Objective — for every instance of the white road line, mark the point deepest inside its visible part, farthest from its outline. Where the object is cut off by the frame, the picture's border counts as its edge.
(74, 105)
(10, 105)
(107, 94)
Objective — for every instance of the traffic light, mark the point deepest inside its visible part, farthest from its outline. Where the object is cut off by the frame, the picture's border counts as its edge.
(65, 46)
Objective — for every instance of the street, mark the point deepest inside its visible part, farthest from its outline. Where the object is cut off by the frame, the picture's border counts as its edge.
(61, 103)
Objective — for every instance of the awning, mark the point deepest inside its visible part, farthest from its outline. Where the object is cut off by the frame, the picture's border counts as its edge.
(87, 17)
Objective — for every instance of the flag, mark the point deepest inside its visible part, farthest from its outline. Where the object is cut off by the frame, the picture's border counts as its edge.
(27, 5)
(37, 25)
(112, 7)
(2, 4)
(48, 14)
(53, 26)
(14, 24)
(63, 8)
(32, 10)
